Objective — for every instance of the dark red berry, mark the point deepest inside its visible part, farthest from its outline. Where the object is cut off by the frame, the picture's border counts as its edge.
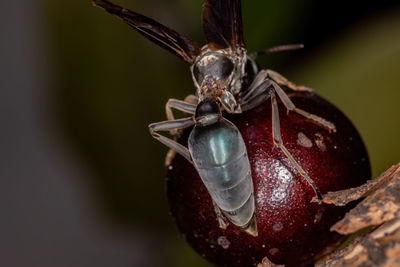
(291, 229)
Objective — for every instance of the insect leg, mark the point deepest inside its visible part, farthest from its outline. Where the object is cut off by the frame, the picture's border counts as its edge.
(257, 87)
(187, 106)
(180, 105)
(282, 81)
(291, 107)
(254, 102)
(192, 99)
(168, 126)
(220, 217)
(276, 135)
(257, 92)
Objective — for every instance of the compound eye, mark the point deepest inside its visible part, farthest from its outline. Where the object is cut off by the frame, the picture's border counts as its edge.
(217, 66)
(226, 68)
(251, 70)
(198, 72)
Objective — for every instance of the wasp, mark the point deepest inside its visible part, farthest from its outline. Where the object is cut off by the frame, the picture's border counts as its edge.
(226, 79)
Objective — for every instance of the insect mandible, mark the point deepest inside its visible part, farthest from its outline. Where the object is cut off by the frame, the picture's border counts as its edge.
(226, 79)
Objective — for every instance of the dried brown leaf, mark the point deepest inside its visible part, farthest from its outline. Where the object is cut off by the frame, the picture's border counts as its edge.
(343, 197)
(379, 208)
(382, 204)
(380, 248)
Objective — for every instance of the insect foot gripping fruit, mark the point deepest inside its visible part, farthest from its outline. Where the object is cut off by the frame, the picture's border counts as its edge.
(292, 230)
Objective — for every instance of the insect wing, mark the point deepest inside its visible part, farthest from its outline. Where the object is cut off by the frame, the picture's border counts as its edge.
(165, 37)
(222, 23)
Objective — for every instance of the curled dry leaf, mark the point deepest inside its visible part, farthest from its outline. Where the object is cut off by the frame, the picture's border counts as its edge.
(343, 197)
(381, 203)
(380, 208)
(380, 247)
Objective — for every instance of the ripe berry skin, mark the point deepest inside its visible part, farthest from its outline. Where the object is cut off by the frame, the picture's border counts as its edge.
(291, 230)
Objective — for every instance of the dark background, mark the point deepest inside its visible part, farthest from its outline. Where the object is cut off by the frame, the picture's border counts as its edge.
(81, 179)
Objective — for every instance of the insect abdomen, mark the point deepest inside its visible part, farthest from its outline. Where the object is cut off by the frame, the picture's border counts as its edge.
(220, 157)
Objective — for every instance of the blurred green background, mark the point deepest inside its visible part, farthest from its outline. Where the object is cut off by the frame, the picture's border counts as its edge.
(106, 83)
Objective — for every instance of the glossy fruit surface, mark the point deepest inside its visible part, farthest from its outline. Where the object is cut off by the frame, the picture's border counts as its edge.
(291, 229)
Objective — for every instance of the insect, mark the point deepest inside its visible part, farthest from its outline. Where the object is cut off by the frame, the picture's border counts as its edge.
(226, 79)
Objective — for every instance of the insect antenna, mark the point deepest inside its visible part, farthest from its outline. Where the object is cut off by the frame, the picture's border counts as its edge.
(275, 49)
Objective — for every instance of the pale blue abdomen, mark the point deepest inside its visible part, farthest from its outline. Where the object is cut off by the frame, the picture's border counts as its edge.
(220, 157)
